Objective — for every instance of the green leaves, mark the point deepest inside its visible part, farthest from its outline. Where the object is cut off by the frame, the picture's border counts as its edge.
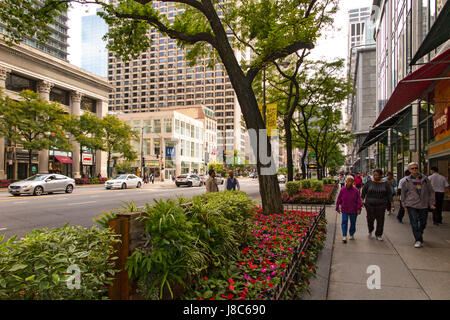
(36, 266)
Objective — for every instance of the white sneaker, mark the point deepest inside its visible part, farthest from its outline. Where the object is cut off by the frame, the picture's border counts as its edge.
(380, 238)
(344, 239)
(418, 244)
(370, 234)
(352, 237)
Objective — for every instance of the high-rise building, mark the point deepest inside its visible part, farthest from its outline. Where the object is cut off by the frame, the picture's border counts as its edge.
(358, 25)
(94, 56)
(57, 43)
(162, 78)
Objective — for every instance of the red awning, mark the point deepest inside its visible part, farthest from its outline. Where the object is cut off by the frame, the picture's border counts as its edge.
(415, 85)
(63, 159)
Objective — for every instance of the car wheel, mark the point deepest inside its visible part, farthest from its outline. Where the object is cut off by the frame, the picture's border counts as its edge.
(190, 184)
(138, 185)
(124, 186)
(38, 191)
(178, 185)
(222, 182)
(69, 188)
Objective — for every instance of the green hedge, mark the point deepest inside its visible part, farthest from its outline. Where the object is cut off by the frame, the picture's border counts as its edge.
(292, 187)
(305, 184)
(316, 185)
(36, 267)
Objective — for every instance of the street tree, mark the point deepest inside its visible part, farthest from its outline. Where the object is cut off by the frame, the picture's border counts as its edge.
(320, 84)
(87, 131)
(34, 123)
(270, 29)
(327, 137)
(117, 137)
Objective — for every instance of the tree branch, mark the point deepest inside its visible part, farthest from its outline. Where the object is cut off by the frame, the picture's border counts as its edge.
(189, 38)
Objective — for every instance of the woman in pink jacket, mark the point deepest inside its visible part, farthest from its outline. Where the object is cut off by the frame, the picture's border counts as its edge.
(349, 204)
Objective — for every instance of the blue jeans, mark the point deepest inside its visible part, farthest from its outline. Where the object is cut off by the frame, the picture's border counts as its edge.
(345, 217)
(418, 220)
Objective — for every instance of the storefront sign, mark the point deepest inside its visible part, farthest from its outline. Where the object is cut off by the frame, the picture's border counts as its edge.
(152, 164)
(441, 121)
(87, 159)
(170, 151)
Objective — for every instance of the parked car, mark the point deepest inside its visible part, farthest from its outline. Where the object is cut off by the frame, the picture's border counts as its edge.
(42, 183)
(124, 181)
(281, 178)
(190, 180)
(253, 175)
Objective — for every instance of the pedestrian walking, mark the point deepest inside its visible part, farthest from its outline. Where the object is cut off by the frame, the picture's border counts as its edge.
(376, 195)
(211, 184)
(349, 204)
(341, 180)
(393, 185)
(358, 181)
(152, 177)
(439, 184)
(232, 182)
(401, 210)
(417, 197)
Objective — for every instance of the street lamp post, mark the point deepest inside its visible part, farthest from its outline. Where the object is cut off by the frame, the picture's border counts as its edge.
(142, 152)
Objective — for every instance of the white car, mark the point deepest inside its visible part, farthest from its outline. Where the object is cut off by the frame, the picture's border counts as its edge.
(42, 183)
(281, 178)
(190, 180)
(124, 181)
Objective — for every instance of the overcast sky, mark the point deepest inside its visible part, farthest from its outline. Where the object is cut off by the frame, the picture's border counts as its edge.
(333, 44)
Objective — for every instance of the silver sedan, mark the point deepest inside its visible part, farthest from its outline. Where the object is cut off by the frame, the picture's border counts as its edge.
(42, 183)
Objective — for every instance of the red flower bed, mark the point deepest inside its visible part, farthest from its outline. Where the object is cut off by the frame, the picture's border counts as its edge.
(260, 266)
(308, 196)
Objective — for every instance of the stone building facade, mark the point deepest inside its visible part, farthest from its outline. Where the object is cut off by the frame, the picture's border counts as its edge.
(78, 91)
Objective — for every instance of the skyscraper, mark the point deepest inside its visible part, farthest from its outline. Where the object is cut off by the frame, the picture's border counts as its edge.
(94, 56)
(57, 43)
(162, 77)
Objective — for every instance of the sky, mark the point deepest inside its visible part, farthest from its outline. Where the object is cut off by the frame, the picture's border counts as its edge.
(332, 45)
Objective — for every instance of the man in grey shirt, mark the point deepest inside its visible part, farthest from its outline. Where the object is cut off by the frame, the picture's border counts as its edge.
(417, 196)
(439, 184)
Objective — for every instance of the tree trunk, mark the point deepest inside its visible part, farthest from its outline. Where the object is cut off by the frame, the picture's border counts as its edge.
(81, 161)
(305, 150)
(30, 161)
(271, 201)
(290, 162)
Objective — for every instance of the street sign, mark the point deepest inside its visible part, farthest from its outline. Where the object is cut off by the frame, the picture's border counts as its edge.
(312, 155)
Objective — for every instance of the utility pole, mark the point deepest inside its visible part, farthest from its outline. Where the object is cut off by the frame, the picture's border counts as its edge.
(142, 152)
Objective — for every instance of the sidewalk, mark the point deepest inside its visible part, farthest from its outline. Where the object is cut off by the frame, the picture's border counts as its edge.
(406, 272)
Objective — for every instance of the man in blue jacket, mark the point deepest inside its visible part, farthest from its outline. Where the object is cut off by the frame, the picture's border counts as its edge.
(232, 182)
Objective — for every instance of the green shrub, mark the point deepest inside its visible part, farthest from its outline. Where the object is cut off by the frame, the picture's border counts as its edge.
(292, 187)
(95, 180)
(185, 238)
(327, 181)
(305, 184)
(36, 266)
(316, 185)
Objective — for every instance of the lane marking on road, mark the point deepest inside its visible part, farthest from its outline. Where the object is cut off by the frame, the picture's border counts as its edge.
(61, 199)
(3, 229)
(94, 196)
(76, 203)
(17, 202)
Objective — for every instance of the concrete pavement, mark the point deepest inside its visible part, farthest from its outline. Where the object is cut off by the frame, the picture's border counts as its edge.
(406, 272)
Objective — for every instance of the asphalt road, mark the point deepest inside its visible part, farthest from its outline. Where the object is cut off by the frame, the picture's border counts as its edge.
(19, 215)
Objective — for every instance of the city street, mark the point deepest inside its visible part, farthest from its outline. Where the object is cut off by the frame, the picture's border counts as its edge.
(25, 213)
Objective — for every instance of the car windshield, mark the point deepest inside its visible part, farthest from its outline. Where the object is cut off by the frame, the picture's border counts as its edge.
(122, 177)
(36, 178)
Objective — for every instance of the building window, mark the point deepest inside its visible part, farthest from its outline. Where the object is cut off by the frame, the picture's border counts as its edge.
(157, 126)
(168, 125)
(18, 83)
(88, 104)
(59, 95)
